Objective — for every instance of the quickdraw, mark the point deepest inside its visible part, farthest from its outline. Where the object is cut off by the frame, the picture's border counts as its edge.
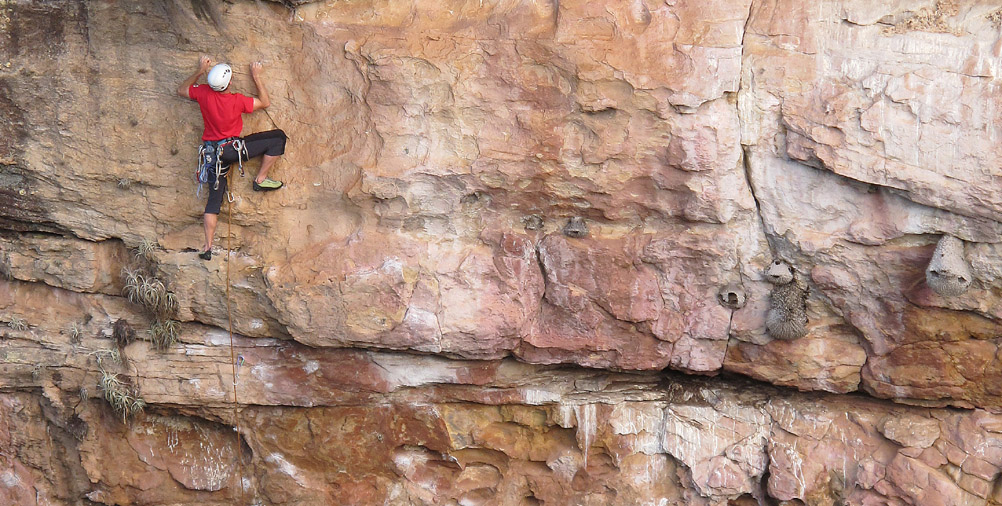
(209, 159)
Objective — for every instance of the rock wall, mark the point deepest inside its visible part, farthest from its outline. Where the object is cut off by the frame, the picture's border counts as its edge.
(512, 231)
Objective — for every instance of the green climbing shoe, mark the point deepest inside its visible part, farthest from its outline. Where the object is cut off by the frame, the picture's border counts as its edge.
(267, 185)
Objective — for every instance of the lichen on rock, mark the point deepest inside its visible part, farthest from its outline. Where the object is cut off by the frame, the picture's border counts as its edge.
(787, 316)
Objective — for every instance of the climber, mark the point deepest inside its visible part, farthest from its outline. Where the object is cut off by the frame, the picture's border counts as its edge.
(221, 114)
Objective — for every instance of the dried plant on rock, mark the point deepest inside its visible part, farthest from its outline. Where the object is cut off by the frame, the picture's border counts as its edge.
(121, 395)
(133, 279)
(17, 323)
(146, 249)
(152, 294)
(75, 331)
(6, 272)
(935, 19)
(123, 333)
(164, 333)
(104, 356)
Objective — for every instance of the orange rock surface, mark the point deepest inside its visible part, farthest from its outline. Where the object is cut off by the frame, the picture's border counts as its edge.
(519, 258)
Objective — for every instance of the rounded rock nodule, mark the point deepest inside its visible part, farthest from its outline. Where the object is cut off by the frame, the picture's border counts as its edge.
(576, 227)
(948, 273)
(532, 222)
(779, 273)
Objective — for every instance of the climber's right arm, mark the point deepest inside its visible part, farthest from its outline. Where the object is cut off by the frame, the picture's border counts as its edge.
(262, 101)
(204, 63)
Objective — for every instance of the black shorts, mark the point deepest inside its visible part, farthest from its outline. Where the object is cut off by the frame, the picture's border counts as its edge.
(271, 143)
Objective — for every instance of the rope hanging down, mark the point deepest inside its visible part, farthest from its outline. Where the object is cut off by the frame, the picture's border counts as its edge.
(233, 360)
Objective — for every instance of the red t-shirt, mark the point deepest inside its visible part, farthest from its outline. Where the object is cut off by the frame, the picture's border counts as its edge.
(220, 111)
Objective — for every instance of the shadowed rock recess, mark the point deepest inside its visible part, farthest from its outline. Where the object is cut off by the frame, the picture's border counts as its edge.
(525, 255)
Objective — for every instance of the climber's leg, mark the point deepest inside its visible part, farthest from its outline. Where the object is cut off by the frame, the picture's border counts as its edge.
(270, 145)
(212, 207)
(266, 162)
(210, 231)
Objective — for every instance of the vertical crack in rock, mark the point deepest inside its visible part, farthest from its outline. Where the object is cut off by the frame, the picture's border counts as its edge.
(545, 279)
(746, 165)
(743, 95)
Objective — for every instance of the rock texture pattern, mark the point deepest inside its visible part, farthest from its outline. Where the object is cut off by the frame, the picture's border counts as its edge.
(509, 230)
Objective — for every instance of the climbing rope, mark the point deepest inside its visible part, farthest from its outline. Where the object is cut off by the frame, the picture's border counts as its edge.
(233, 359)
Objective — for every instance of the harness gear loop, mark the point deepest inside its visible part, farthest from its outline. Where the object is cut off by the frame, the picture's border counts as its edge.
(210, 158)
(201, 171)
(241, 148)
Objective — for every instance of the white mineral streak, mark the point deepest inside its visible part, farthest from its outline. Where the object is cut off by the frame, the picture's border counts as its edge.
(722, 444)
(645, 421)
(209, 465)
(9, 479)
(539, 396)
(285, 467)
(311, 366)
(400, 370)
(586, 426)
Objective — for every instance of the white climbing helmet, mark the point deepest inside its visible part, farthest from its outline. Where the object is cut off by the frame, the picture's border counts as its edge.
(219, 77)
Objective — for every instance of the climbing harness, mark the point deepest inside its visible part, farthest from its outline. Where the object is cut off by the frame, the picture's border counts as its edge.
(210, 161)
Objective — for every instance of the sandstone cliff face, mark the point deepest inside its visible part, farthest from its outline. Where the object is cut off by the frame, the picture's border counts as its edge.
(413, 322)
